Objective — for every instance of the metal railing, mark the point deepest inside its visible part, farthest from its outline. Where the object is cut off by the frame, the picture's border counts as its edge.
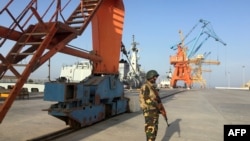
(25, 18)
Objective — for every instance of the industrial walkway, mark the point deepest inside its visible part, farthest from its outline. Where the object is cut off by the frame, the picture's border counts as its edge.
(194, 115)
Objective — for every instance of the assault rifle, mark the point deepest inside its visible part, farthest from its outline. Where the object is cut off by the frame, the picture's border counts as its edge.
(163, 112)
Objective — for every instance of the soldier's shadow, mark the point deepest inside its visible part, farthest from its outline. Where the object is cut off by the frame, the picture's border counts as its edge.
(172, 129)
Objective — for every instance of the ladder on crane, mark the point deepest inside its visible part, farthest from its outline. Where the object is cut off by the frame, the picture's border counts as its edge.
(39, 42)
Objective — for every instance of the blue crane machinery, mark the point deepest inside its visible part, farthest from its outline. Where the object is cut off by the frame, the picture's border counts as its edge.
(207, 32)
(180, 61)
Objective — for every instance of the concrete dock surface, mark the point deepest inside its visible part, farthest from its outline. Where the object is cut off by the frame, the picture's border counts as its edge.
(194, 115)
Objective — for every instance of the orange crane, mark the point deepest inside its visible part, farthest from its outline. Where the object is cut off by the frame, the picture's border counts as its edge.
(181, 61)
(182, 70)
(38, 35)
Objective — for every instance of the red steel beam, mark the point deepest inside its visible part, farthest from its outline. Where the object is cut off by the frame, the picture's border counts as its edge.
(9, 34)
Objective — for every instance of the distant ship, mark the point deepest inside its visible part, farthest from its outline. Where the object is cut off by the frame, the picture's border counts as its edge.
(76, 72)
(165, 83)
(130, 72)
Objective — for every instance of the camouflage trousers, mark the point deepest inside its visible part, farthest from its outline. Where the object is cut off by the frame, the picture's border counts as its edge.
(151, 124)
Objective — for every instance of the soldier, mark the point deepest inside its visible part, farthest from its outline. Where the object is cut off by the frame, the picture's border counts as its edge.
(151, 105)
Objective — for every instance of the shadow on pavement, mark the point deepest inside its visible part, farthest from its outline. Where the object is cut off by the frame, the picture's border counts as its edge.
(172, 129)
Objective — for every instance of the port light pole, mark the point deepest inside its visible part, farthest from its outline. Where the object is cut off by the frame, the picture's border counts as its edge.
(243, 75)
(228, 79)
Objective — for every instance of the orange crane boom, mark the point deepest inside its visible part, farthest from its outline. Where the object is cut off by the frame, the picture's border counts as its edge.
(107, 30)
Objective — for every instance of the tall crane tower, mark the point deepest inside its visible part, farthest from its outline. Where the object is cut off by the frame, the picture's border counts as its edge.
(182, 70)
(181, 61)
(197, 69)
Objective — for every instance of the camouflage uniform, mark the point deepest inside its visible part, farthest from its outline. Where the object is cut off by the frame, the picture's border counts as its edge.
(149, 102)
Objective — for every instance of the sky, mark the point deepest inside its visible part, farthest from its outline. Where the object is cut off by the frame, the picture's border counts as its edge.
(155, 25)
